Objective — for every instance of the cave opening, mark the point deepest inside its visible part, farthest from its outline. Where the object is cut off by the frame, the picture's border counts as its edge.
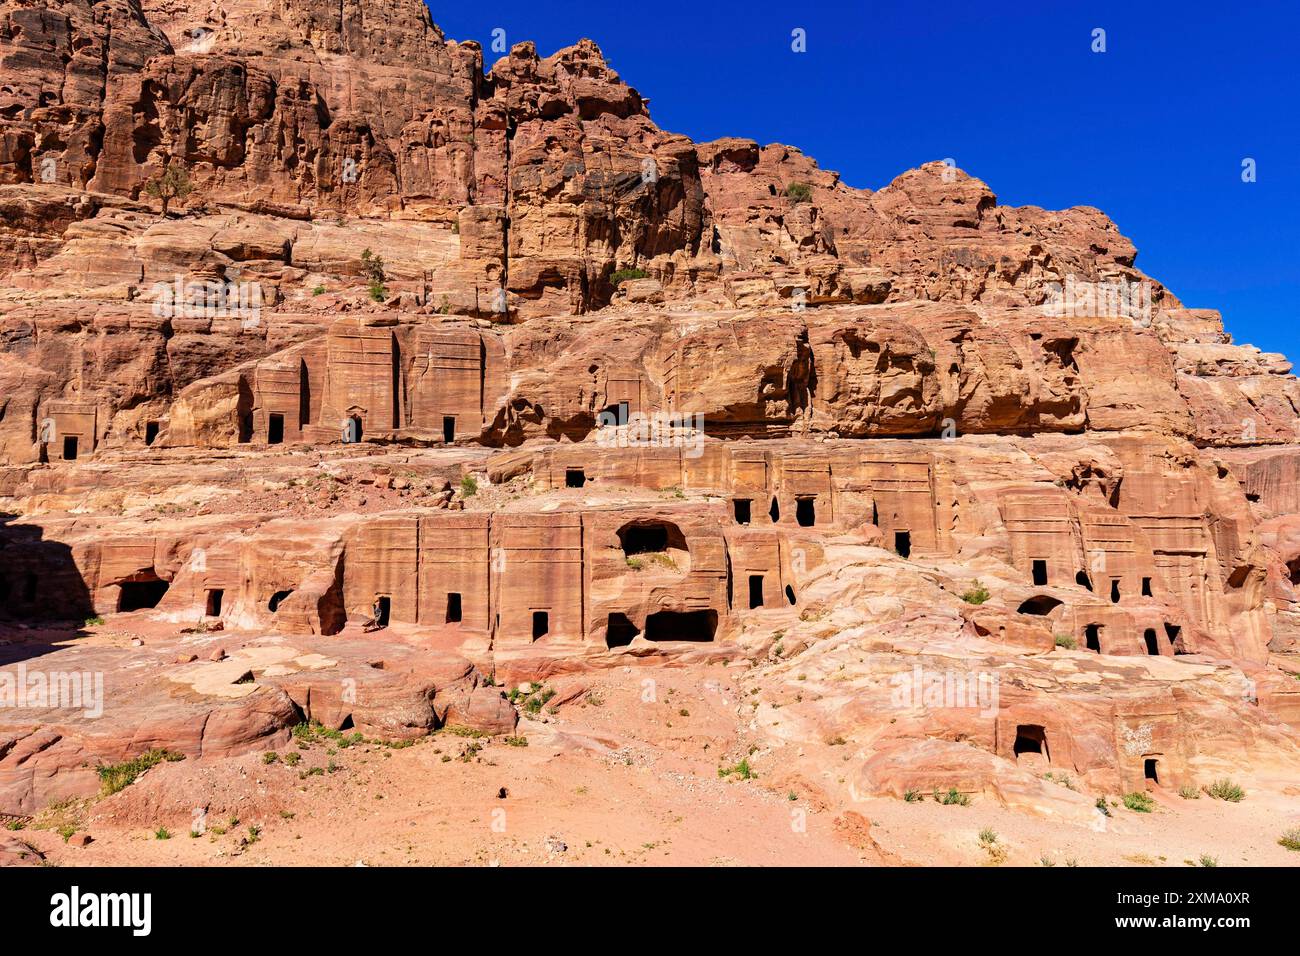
(697, 626)
(140, 595)
(620, 631)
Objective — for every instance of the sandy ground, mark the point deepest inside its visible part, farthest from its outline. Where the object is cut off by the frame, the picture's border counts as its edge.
(622, 773)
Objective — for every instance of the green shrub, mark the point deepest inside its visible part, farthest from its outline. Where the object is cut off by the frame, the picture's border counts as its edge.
(1225, 789)
(162, 833)
(93, 621)
(468, 486)
(622, 275)
(318, 290)
(517, 741)
(977, 594)
(1139, 802)
(1101, 805)
(742, 770)
(1207, 860)
(799, 192)
(116, 777)
(953, 798)
(1189, 793)
(988, 835)
(1290, 839)
(1066, 641)
(912, 796)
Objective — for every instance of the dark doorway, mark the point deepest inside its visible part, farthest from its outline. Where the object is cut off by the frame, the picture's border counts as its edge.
(1151, 770)
(774, 512)
(541, 624)
(574, 478)
(755, 591)
(903, 543)
(1092, 637)
(1114, 590)
(383, 608)
(276, 600)
(616, 414)
(1039, 605)
(69, 447)
(1149, 637)
(274, 429)
(1146, 587)
(740, 508)
(1083, 580)
(150, 432)
(619, 632)
(1031, 739)
(681, 626)
(1040, 572)
(789, 594)
(354, 430)
(649, 538)
(453, 608)
(213, 608)
(1173, 632)
(805, 512)
(448, 429)
(139, 595)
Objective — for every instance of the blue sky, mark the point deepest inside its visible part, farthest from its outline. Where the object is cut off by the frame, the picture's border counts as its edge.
(1153, 131)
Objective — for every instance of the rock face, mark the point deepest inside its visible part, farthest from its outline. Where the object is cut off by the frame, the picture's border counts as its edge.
(443, 375)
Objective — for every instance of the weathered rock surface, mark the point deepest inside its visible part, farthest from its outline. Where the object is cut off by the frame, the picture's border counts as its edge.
(605, 395)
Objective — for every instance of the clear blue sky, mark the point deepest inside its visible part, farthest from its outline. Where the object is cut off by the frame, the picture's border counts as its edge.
(1153, 131)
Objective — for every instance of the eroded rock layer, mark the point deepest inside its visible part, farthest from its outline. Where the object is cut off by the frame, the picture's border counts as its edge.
(430, 380)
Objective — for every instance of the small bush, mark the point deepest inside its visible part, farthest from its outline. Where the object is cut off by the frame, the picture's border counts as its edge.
(742, 770)
(1066, 641)
(1189, 793)
(468, 486)
(1290, 839)
(636, 564)
(162, 833)
(318, 290)
(378, 291)
(1225, 789)
(93, 621)
(988, 835)
(799, 192)
(622, 275)
(912, 796)
(116, 777)
(953, 798)
(270, 757)
(1207, 860)
(976, 594)
(517, 741)
(1139, 802)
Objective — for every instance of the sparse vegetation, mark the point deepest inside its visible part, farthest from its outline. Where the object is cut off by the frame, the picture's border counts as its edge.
(977, 593)
(117, 777)
(1101, 805)
(741, 770)
(373, 268)
(988, 835)
(799, 192)
(622, 275)
(172, 183)
(93, 621)
(1066, 641)
(1226, 790)
(468, 486)
(636, 564)
(318, 290)
(517, 741)
(162, 833)
(1189, 793)
(953, 798)
(1290, 839)
(1207, 860)
(1139, 802)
